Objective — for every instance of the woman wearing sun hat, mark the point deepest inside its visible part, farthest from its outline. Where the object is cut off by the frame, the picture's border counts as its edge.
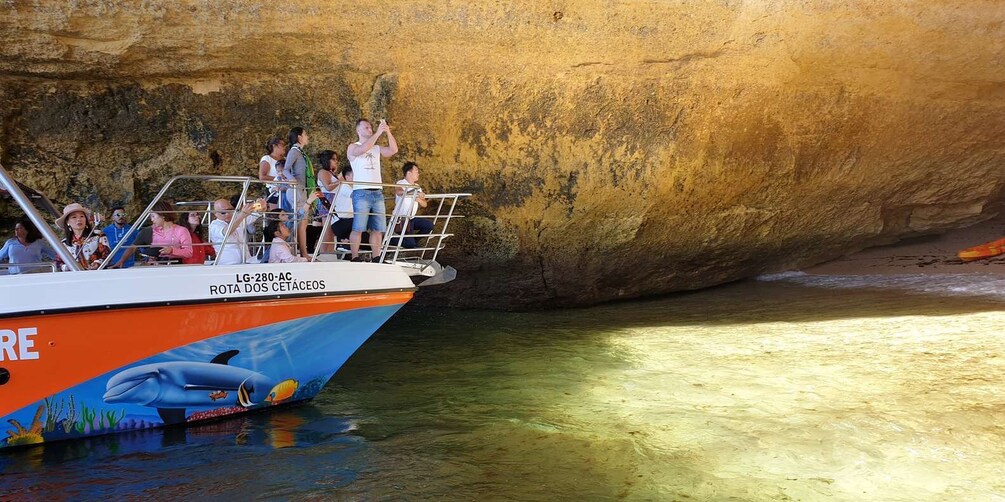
(86, 243)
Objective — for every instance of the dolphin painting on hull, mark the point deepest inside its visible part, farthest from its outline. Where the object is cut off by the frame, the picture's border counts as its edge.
(171, 387)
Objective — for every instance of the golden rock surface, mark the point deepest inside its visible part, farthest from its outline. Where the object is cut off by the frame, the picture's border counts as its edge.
(614, 149)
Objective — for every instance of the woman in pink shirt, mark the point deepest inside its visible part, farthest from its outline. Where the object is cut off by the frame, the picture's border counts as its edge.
(175, 241)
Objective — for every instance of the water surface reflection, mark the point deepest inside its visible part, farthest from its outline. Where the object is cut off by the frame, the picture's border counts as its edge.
(756, 391)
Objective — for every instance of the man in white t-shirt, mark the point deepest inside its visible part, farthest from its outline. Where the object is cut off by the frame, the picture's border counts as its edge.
(368, 199)
(407, 201)
(232, 249)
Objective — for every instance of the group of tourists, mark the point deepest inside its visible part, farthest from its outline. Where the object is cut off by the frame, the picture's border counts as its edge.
(353, 192)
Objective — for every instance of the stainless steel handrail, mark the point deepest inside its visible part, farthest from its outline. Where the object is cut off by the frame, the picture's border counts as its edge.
(444, 211)
(440, 236)
(245, 181)
(33, 265)
(326, 224)
(43, 226)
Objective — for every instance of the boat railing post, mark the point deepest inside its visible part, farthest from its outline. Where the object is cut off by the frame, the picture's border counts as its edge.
(296, 204)
(389, 236)
(42, 225)
(412, 193)
(450, 215)
(436, 219)
(325, 225)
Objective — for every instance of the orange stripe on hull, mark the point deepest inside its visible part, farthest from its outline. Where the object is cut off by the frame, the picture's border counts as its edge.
(73, 348)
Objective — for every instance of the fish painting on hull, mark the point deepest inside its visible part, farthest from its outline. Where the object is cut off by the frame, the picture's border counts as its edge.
(171, 387)
(282, 391)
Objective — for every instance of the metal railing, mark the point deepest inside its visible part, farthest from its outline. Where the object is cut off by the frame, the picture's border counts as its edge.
(440, 211)
(392, 249)
(420, 255)
(11, 186)
(245, 183)
(5, 267)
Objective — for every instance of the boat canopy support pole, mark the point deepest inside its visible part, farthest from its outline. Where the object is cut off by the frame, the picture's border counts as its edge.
(43, 226)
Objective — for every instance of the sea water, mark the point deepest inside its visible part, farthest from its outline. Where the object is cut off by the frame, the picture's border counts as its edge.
(791, 387)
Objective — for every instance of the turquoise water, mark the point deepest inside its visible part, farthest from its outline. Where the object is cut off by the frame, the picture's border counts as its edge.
(793, 387)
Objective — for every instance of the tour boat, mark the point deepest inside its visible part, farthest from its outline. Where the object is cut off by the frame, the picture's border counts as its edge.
(85, 353)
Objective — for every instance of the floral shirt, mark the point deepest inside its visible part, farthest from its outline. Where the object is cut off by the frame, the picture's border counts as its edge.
(90, 251)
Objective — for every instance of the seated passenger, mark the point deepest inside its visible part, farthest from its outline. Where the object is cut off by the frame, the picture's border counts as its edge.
(174, 241)
(232, 247)
(27, 246)
(405, 200)
(201, 251)
(86, 243)
(116, 232)
(141, 242)
(280, 251)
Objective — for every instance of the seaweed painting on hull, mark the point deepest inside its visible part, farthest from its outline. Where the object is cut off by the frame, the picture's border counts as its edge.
(58, 419)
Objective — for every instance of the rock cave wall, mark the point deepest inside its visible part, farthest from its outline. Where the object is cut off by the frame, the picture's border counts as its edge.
(613, 149)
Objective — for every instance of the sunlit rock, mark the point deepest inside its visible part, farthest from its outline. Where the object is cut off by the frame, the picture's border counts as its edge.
(614, 150)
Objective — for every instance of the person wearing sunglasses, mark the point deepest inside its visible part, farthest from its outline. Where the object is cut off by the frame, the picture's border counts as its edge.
(115, 232)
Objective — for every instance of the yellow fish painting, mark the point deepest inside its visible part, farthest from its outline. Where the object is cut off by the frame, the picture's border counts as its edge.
(282, 391)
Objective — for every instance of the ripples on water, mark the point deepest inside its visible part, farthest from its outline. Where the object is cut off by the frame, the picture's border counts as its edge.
(795, 387)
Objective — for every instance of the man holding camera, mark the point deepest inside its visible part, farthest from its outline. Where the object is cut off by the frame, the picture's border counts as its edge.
(368, 197)
(232, 248)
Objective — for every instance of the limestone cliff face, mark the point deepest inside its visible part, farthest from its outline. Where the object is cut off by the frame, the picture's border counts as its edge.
(614, 149)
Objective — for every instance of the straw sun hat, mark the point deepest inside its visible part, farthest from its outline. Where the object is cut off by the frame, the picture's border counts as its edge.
(72, 208)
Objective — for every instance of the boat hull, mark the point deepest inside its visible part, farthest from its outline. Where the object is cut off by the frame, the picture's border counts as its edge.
(85, 373)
